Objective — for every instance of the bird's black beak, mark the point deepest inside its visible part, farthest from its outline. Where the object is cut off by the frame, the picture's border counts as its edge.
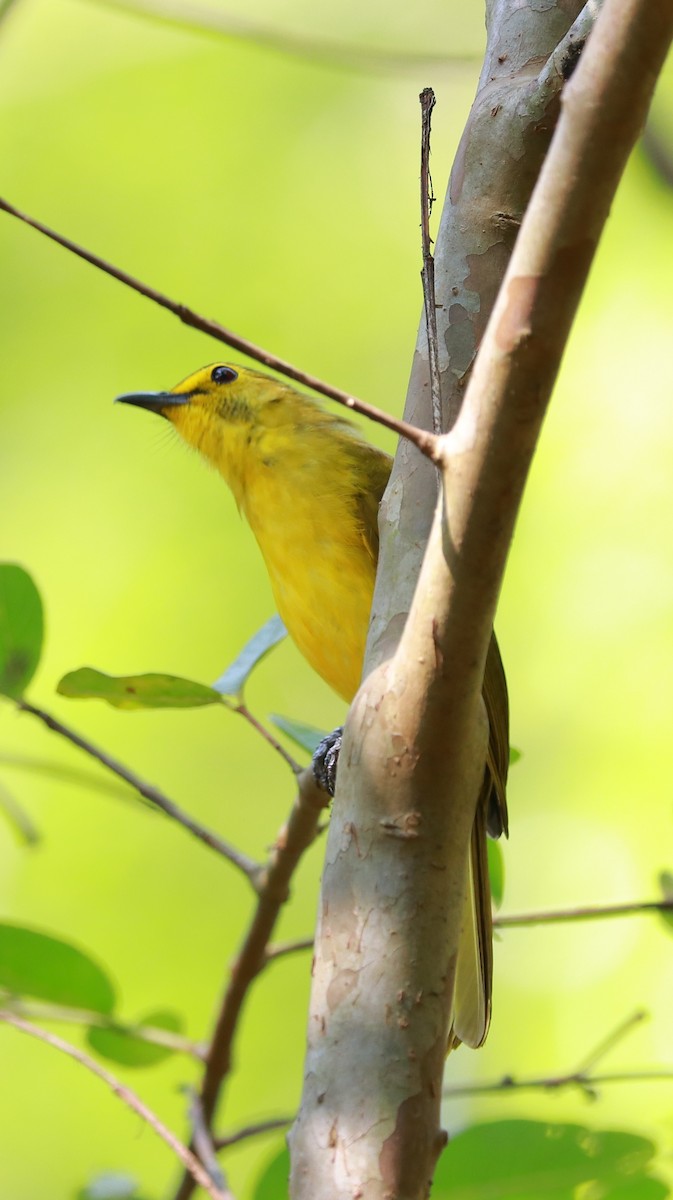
(154, 402)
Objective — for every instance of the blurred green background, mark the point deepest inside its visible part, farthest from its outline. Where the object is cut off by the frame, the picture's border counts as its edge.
(280, 196)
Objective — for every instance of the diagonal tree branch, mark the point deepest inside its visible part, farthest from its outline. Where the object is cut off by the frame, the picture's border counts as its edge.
(295, 837)
(128, 1097)
(425, 442)
(589, 912)
(415, 741)
(246, 865)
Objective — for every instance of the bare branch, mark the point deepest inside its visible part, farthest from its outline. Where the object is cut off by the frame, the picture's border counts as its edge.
(591, 912)
(283, 949)
(250, 1131)
(243, 711)
(294, 838)
(414, 748)
(203, 1142)
(246, 865)
(424, 441)
(427, 99)
(151, 1034)
(127, 1097)
(581, 1077)
(612, 1039)
(586, 1082)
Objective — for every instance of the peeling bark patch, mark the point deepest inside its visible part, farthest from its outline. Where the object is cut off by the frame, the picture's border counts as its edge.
(341, 988)
(485, 272)
(417, 1137)
(406, 825)
(402, 1140)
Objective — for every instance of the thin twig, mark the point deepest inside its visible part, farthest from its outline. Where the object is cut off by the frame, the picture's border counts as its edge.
(427, 99)
(247, 865)
(128, 1097)
(423, 440)
(592, 912)
(152, 1034)
(585, 1082)
(243, 711)
(190, 15)
(580, 1077)
(203, 1142)
(295, 837)
(250, 1131)
(282, 949)
(608, 1043)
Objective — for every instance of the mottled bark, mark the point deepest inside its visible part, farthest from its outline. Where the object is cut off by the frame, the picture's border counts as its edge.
(415, 740)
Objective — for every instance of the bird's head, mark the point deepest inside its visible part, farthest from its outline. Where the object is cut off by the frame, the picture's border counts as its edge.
(236, 418)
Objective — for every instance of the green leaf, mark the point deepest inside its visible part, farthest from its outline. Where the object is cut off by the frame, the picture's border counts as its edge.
(510, 1160)
(137, 691)
(514, 755)
(45, 968)
(110, 1185)
(232, 682)
(306, 736)
(21, 629)
(666, 885)
(273, 1183)
(122, 1047)
(496, 871)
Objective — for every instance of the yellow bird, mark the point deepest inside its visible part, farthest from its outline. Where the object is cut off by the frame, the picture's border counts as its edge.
(310, 489)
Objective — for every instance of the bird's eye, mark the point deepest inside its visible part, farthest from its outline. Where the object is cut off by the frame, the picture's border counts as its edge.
(223, 374)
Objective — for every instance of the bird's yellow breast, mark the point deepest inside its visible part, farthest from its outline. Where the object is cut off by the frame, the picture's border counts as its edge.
(321, 571)
(310, 490)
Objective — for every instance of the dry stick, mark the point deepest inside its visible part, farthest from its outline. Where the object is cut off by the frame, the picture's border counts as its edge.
(591, 912)
(580, 1079)
(339, 54)
(425, 442)
(365, 1115)
(152, 1034)
(427, 99)
(248, 866)
(127, 1097)
(609, 1042)
(250, 1131)
(283, 949)
(203, 1142)
(295, 837)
